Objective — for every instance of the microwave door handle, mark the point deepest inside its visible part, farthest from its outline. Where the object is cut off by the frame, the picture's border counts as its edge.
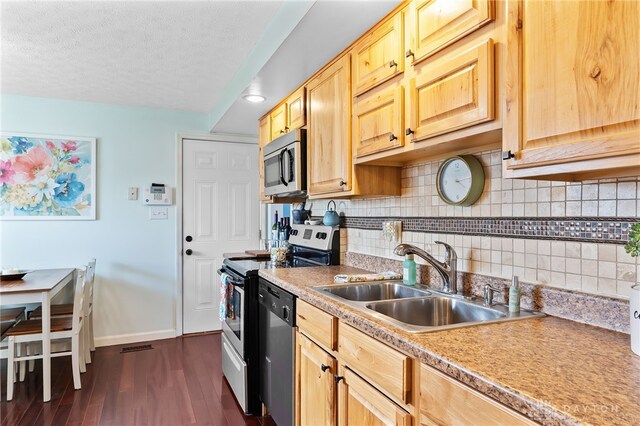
(290, 165)
(284, 182)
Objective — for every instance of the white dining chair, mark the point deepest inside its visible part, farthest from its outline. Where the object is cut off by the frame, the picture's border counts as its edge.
(68, 328)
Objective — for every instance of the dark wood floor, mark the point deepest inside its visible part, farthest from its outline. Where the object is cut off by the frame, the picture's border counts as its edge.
(179, 382)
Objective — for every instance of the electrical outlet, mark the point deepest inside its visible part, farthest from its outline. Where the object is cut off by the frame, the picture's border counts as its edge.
(392, 230)
(133, 193)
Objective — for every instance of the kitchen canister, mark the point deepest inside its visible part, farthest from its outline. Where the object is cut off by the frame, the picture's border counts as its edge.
(634, 311)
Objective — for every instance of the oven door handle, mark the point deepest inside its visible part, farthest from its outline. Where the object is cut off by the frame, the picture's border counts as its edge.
(235, 283)
(282, 179)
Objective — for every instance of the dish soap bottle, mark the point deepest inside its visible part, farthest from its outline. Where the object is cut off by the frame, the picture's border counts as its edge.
(514, 295)
(409, 270)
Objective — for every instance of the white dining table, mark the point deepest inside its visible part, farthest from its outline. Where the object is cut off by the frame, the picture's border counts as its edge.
(38, 286)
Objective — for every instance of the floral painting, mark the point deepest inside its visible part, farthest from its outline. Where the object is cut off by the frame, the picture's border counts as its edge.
(47, 177)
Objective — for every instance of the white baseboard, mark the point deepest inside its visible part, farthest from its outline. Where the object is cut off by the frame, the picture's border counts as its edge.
(124, 339)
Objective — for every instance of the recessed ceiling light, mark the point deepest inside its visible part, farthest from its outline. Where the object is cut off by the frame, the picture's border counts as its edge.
(254, 98)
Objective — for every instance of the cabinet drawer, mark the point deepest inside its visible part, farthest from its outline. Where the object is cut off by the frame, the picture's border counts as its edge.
(317, 324)
(379, 56)
(444, 401)
(453, 95)
(389, 369)
(436, 24)
(377, 122)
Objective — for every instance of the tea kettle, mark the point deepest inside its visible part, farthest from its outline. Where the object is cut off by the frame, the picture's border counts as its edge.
(331, 217)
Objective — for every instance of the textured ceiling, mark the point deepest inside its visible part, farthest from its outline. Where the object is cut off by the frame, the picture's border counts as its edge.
(177, 55)
(326, 30)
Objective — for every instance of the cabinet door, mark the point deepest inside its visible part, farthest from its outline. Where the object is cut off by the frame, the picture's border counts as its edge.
(296, 116)
(379, 56)
(435, 24)
(452, 93)
(378, 122)
(316, 393)
(279, 121)
(444, 401)
(573, 91)
(361, 404)
(264, 137)
(329, 160)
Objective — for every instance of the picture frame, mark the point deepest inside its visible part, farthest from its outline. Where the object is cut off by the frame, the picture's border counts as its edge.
(47, 177)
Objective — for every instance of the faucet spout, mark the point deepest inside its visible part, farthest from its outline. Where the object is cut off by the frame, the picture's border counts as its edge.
(447, 269)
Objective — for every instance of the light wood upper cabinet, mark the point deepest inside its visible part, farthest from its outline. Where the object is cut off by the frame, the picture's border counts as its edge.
(573, 88)
(378, 122)
(296, 109)
(278, 119)
(315, 387)
(452, 93)
(329, 161)
(444, 401)
(379, 55)
(362, 404)
(264, 137)
(435, 24)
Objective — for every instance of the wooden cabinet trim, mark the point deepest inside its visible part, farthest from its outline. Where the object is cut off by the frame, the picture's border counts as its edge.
(393, 99)
(473, 71)
(389, 369)
(374, 403)
(444, 400)
(445, 34)
(394, 28)
(317, 324)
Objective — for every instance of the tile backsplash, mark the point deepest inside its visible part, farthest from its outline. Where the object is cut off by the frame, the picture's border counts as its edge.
(592, 265)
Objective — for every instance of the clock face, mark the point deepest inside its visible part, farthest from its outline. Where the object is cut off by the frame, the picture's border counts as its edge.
(455, 180)
(460, 180)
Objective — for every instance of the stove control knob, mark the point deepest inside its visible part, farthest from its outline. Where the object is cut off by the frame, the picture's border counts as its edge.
(318, 235)
(324, 235)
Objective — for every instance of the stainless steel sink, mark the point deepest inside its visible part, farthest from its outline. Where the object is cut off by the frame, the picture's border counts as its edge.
(368, 292)
(435, 311)
(419, 309)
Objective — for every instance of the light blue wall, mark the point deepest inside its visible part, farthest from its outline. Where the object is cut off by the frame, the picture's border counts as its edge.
(136, 270)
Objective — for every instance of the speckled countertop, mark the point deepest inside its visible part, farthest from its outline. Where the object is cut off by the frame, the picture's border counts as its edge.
(552, 370)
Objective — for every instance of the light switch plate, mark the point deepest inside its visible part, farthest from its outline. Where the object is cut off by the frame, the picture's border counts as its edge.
(133, 193)
(392, 230)
(158, 213)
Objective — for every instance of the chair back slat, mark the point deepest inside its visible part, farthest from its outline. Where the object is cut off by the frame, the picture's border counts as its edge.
(88, 287)
(78, 297)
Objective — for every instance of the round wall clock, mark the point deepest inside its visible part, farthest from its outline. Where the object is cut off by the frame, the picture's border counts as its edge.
(460, 180)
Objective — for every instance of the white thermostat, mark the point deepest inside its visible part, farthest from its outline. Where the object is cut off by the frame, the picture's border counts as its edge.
(157, 195)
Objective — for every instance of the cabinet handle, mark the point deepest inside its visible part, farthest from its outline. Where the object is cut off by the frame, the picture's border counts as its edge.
(324, 367)
(392, 137)
(409, 53)
(392, 64)
(342, 182)
(286, 129)
(507, 155)
(338, 378)
(281, 131)
(408, 131)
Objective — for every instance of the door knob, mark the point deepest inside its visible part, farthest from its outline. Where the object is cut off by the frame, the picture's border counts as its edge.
(188, 252)
(189, 238)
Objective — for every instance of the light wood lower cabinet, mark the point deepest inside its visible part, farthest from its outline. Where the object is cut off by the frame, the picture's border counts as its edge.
(362, 404)
(315, 390)
(319, 325)
(444, 401)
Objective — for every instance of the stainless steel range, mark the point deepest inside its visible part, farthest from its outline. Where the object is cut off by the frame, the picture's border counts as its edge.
(248, 346)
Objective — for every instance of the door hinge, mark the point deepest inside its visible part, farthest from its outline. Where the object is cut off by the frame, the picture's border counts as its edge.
(519, 24)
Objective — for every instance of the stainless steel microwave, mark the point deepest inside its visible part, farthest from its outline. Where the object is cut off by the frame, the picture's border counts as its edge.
(285, 165)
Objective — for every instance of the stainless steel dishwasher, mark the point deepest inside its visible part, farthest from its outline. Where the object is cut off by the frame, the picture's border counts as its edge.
(277, 339)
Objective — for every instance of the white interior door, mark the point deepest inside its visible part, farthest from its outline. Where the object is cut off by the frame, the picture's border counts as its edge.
(220, 215)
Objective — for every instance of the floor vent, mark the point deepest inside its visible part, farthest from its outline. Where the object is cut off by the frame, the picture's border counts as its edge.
(135, 349)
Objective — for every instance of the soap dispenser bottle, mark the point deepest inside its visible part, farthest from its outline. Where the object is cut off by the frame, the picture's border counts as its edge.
(514, 295)
(409, 270)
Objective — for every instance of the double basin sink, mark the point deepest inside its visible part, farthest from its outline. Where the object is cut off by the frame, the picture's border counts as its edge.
(416, 309)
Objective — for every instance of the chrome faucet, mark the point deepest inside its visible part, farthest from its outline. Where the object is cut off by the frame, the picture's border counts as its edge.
(448, 269)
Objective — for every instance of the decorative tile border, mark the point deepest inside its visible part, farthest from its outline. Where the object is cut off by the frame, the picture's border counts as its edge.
(582, 229)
